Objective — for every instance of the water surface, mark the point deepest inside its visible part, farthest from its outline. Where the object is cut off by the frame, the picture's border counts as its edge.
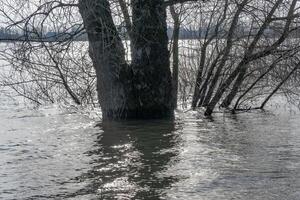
(53, 154)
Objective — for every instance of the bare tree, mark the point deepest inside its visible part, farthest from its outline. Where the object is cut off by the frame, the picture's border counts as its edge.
(232, 52)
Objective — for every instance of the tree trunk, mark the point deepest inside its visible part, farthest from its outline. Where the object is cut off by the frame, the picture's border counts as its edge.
(253, 84)
(227, 101)
(204, 87)
(222, 88)
(107, 54)
(212, 86)
(126, 16)
(152, 96)
(175, 51)
(143, 89)
(200, 91)
(197, 90)
(279, 86)
(248, 57)
(233, 92)
(211, 105)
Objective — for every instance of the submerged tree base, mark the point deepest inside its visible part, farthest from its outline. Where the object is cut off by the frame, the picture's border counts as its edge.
(144, 114)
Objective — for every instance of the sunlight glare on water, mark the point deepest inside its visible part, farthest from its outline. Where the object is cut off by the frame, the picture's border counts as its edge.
(51, 154)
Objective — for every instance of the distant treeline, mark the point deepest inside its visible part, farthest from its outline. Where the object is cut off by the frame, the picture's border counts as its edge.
(185, 33)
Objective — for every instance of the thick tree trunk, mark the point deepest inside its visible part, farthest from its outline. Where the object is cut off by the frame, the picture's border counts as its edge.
(152, 96)
(144, 89)
(107, 54)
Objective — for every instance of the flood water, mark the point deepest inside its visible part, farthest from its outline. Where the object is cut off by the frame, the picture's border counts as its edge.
(53, 154)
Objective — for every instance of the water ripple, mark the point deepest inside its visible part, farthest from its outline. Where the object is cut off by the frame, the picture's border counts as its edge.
(55, 156)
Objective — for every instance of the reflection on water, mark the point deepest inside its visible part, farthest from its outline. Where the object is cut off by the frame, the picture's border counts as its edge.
(129, 160)
(49, 154)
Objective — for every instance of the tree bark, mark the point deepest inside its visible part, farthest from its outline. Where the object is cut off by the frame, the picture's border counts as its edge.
(204, 99)
(233, 92)
(197, 89)
(126, 16)
(175, 52)
(152, 82)
(108, 56)
(144, 88)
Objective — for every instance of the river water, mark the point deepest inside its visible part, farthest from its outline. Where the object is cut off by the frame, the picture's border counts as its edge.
(49, 153)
